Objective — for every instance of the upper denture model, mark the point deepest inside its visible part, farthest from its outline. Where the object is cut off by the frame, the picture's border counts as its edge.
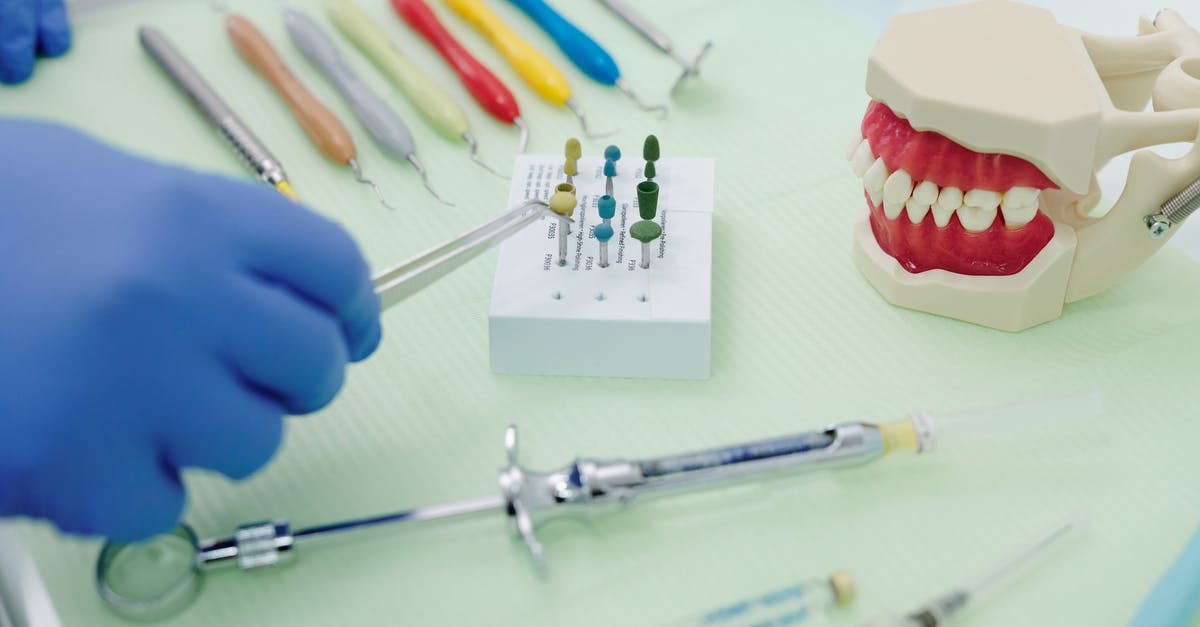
(979, 150)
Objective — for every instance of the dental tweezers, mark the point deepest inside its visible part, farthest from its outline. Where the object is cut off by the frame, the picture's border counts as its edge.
(407, 278)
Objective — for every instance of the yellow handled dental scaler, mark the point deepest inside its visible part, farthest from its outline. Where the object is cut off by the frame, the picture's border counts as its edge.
(538, 72)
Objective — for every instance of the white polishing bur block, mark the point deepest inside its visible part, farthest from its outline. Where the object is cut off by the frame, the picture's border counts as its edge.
(623, 320)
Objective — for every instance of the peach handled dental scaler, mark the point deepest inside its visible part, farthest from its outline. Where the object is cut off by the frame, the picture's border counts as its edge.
(980, 195)
(438, 108)
(484, 87)
(538, 72)
(323, 128)
(374, 113)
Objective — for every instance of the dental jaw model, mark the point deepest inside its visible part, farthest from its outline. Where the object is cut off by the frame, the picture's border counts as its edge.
(979, 152)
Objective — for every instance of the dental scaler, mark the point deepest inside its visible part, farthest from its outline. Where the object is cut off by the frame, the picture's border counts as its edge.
(162, 575)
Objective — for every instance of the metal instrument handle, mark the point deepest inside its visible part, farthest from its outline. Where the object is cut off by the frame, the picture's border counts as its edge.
(201, 94)
(640, 24)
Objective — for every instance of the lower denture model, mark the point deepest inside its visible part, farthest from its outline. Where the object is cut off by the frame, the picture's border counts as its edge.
(979, 150)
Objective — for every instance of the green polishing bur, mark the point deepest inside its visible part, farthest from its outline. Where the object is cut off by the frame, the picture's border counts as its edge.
(647, 193)
(645, 231)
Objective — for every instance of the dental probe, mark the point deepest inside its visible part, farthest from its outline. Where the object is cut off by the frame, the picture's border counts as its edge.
(534, 68)
(587, 55)
(158, 576)
(484, 87)
(939, 610)
(188, 80)
(380, 120)
(659, 40)
(435, 104)
(323, 128)
(1174, 211)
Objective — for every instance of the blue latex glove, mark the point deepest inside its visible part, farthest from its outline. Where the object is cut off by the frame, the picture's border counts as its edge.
(151, 319)
(29, 28)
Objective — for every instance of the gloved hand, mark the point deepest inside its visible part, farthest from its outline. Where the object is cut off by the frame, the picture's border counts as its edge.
(151, 319)
(29, 28)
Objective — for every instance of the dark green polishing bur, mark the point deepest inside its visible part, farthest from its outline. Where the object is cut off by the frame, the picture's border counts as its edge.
(645, 231)
(650, 148)
(649, 172)
(647, 193)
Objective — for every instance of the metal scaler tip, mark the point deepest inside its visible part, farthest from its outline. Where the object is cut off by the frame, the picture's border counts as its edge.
(519, 122)
(358, 176)
(659, 110)
(587, 131)
(690, 68)
(425, 179)
(474, 146)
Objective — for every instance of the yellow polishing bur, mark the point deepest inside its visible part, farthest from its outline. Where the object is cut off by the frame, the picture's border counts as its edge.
(285, 188)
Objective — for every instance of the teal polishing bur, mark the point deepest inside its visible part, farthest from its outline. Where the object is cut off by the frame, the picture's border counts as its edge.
(607, 206)
(603, 232)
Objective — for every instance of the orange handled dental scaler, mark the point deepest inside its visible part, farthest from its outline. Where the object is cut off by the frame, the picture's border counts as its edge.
(323, 128)
(538, 72)
(485, 88)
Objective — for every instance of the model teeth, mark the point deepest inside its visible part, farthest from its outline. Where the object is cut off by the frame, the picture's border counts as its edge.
(874, 180)
(976, 219)
(897, 193)
(916, 210)
(922, 199)
(942, 215)
(979, 209)
(853, 147)
(862, 158)
(1020, 206)
(926, 193)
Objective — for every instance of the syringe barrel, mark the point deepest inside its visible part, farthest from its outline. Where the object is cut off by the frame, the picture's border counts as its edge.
(837, 446)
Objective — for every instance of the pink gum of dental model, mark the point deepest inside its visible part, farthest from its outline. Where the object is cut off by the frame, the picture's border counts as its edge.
(979, 164)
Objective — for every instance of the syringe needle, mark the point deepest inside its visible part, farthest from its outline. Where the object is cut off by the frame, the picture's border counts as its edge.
(1005, 569)
(939, 610)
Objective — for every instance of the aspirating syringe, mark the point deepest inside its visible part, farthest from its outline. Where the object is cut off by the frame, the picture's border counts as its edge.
(582, 487)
